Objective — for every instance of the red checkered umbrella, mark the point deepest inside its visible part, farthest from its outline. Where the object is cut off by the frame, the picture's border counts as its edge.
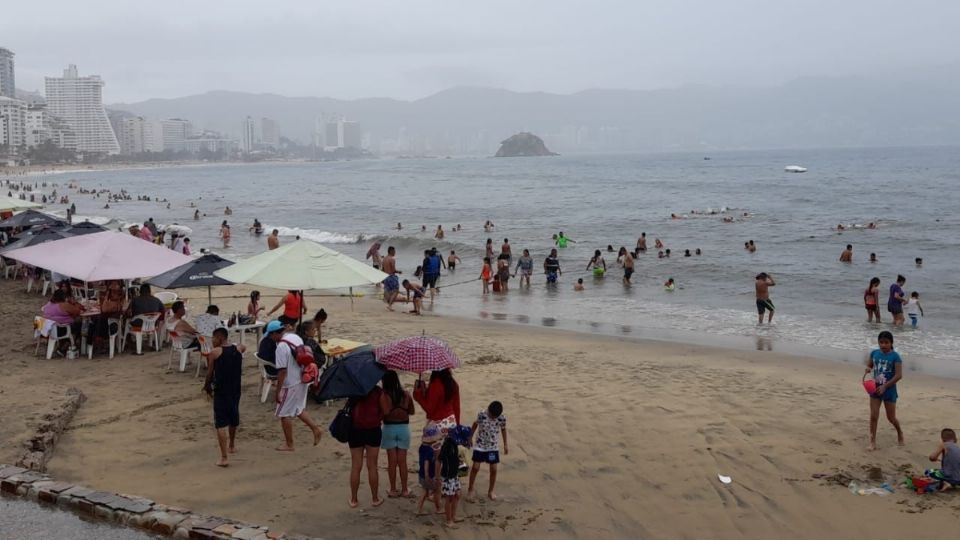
(417, 354)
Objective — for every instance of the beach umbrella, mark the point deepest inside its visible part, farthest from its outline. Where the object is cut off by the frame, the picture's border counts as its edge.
(14, 203)
(354, 375)
(100, 256)
(32, 218)
(302, 265)
(196, 273)
(417, 354)
(38, 237)
(85, 228)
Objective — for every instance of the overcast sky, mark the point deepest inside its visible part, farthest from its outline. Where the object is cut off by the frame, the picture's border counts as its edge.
(409, 49)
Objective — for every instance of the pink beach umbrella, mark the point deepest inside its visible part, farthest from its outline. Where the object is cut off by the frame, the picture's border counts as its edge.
(100, 256)
(417, 354)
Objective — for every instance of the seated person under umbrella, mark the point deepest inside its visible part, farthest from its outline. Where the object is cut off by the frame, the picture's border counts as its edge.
(111, 307)
(63, 310)
(142, 304)
(186, 334)
(208, 322)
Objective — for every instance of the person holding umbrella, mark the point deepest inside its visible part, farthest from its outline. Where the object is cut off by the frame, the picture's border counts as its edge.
(440, 399)
(397, 406)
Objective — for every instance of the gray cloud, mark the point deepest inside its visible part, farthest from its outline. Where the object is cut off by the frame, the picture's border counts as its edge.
(412, 48)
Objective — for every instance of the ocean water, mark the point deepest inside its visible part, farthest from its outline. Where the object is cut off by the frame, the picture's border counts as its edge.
(912, 194)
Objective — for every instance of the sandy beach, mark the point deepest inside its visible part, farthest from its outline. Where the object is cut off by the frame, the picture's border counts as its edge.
(609, 437)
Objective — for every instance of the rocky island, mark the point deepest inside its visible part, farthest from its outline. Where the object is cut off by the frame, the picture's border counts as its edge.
(523, 144)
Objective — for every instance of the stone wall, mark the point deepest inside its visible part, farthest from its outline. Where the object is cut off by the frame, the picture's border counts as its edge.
(40, 447)
(129, 511)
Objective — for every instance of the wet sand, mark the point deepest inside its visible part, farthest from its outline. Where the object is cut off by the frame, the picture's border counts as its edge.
(610, 437)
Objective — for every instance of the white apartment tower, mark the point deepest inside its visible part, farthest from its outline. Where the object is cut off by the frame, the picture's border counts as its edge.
(79, 102)
(269, 135)
(13, 122)
(248, 135)
(8, 82)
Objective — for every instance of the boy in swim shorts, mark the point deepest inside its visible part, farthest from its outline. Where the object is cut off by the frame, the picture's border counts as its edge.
(489, 426)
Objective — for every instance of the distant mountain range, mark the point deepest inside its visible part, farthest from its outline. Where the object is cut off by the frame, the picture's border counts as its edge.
(902, 109)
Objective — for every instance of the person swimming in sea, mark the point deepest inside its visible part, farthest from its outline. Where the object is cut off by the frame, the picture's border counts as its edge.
(670, 285)
(562, 240)
(256, 228)
(597, 264)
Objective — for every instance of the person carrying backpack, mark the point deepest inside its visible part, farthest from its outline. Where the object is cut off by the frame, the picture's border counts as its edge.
(294, 362)
(364, 441)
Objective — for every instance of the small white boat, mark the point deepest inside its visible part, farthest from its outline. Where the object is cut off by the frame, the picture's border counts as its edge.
(795, 169)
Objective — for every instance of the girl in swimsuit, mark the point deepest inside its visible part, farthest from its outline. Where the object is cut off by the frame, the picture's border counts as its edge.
(486, 274)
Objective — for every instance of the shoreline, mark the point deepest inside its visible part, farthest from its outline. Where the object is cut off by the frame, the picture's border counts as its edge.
(609, 436)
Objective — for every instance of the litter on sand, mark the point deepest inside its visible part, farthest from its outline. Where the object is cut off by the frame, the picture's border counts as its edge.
(724, 479)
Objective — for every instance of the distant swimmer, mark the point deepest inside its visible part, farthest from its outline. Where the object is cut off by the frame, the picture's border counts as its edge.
(751, 247)
(840, 227)
(871, 225)
(642, 243)
(660, 254)
(670, 285)
(563, 240)
(847, 254)
(399, 226)
(658, 244)
(698, 252)
(273, 241)
(597, 264)
(686, 253)
(227, 211)
(439, 234)
(579, 285)
(196, 215)
(764, 304)
(256, 228)
(873, 257)
(609, 248)
(667, 253)
(452, 260)
(918, 261)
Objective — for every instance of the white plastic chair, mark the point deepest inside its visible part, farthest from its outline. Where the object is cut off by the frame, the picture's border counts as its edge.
(176, 346)
(53, 337)
(267, 381)
(12, 269)
(148, 327)
(114, 337)
(206, 345)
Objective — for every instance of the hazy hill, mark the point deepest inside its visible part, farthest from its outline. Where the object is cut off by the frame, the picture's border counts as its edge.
(918, 108)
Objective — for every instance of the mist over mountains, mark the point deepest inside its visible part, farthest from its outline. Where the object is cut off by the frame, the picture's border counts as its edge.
(921, 107)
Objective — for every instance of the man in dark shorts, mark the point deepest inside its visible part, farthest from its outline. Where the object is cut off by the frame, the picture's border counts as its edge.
(764, 304)
(391, 285)
(224, 368)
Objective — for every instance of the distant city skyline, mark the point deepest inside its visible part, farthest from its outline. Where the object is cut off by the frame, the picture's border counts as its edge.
(410, 50)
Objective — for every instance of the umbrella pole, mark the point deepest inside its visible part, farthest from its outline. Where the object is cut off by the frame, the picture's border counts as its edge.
(209, 296)
(351, 298)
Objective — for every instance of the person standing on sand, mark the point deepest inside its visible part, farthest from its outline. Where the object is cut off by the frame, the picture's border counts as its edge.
(764, 282)
(365, 438)
(273, 241)
(896, 300)
(222, 384)
(391, 284)
(439, 399)
(396, 404)
(847, 254)
(292, 391)
(887, 369)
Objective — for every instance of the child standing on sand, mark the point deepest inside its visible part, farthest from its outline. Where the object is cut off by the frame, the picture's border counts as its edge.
(486, 274)
(489, 426)
(450, 471)
(887, 369)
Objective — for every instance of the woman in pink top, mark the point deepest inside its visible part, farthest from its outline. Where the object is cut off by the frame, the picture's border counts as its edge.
(61, 310)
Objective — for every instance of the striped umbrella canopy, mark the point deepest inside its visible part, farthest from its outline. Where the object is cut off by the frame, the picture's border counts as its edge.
(417, 354)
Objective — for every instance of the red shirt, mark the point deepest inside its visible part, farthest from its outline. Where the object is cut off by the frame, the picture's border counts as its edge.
(291, 306)
(434, 401)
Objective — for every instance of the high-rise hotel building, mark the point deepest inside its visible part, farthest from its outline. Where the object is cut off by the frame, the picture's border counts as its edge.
(79, 102)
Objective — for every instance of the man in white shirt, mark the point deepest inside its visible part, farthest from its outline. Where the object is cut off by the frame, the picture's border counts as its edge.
(291, 391)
